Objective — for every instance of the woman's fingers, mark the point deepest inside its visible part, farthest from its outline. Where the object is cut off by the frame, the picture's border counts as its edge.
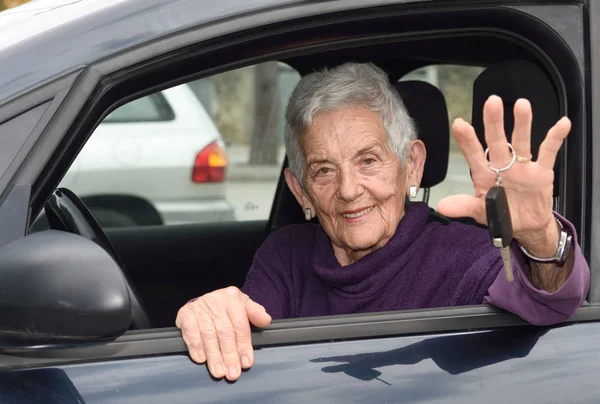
(227, 342)
(469, 144)
(216, 330)
(463, 206)
(527, 182)
(551, 145)
(244, 352)
(493, 123)
(521, 136)
(187, 322)
(257, 314)
(210, 337)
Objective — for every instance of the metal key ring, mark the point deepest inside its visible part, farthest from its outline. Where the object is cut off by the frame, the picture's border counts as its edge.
(499, 170)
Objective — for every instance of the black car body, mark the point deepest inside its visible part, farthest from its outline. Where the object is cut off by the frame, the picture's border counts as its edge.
(66, 65)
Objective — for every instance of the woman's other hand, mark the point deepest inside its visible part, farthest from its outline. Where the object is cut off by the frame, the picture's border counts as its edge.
(216, 330)
(529, 185)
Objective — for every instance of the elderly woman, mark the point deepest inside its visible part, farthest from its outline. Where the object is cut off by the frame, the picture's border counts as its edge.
(354, 157)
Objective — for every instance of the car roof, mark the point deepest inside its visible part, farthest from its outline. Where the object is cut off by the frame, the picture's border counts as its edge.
(44, 39)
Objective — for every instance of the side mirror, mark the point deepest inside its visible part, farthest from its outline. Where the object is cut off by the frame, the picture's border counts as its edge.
(58, 289)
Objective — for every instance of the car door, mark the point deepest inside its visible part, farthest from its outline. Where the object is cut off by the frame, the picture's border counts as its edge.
(367, 362)
(461, 354)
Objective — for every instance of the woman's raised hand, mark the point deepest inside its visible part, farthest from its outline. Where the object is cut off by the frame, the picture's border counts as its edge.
(528, 183)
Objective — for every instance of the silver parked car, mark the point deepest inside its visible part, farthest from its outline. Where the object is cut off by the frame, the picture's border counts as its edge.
(161, 150)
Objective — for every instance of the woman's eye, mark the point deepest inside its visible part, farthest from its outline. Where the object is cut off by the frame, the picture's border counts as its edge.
(369, 161)
(324, 170)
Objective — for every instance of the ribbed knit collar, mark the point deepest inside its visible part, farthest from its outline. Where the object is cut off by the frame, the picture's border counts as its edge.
(369, 274)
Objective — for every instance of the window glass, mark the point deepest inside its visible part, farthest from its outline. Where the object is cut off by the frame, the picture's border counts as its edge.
(456, 84)
(147, 109)
(207, 151)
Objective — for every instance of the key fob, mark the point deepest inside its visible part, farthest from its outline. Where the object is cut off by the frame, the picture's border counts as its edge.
(498, 215)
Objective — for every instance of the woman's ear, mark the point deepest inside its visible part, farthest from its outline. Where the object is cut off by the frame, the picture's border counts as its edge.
(416, 162)
(298, 191)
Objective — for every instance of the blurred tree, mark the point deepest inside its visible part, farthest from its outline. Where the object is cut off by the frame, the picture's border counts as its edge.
(233, 104)
(264, 144)
(456, 82)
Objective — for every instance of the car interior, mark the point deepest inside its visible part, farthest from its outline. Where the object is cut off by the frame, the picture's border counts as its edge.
(168, 265)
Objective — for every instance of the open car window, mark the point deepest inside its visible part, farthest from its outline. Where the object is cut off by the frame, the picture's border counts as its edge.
(208, 151)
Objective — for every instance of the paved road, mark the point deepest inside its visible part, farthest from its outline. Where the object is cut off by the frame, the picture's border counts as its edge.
(251, 200)
(251, 189)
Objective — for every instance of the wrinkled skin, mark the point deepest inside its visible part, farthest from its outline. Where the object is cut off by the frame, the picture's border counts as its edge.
(216, 329)
(354, 183)
(528, 185)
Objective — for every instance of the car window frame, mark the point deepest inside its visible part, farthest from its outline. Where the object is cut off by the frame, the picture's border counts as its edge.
(168, 341)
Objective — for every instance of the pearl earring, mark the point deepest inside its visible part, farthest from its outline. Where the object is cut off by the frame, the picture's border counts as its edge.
(412, 191)
(307, 214)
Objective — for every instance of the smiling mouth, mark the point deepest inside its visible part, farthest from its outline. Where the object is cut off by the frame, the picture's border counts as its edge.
(360, 213)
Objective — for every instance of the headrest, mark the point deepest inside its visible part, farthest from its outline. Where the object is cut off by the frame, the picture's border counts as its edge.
(427, 106)
(511, 81)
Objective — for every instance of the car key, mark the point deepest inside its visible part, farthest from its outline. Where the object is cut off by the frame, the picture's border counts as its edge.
(500, 224)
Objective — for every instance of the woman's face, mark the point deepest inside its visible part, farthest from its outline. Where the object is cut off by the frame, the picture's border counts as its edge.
(354, 183)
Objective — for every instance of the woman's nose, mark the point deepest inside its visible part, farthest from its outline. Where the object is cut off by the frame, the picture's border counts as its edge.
(349, 187)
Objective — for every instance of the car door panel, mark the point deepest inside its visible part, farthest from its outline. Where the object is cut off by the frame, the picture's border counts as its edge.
(517, 364)
(171, 264)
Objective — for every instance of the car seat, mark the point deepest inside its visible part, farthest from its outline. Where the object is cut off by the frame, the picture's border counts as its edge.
(427, 107)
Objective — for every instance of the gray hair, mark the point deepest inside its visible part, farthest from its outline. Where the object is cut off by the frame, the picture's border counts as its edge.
(347, 85)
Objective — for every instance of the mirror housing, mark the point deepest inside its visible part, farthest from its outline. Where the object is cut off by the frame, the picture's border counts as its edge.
(57, 290)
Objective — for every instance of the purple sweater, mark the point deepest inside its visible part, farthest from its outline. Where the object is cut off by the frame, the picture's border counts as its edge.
(425, 264)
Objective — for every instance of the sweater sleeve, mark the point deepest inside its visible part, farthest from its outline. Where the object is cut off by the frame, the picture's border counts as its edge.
(534, 305)
(268, 282)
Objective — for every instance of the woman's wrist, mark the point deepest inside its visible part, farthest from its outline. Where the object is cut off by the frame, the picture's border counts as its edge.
(543, 242)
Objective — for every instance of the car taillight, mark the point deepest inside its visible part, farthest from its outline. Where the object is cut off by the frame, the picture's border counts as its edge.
(210, 164)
